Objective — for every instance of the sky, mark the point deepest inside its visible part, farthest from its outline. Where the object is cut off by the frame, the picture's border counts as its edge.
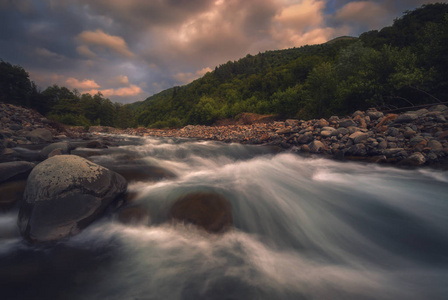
(131, 49)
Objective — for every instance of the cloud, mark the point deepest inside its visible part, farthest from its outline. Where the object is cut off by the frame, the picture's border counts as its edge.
(45, 53)
(119, 80)
(81, 84)
(370, 13)
(131, 90)
(102, 39)
(84, 50)
(188, 77)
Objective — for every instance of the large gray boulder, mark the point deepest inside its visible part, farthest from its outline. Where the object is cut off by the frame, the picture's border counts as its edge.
(63, 195)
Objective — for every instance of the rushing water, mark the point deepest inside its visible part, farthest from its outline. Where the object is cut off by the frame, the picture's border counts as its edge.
(304, 228)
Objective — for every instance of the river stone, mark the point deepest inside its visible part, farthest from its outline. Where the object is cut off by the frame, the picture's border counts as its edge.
(15, 170)
(63, 195)
(40, 135)
(347, 123)
(435, 145)
(359, 137)
(406, 118)
(316, 146)
(207, 210)
(65, 148)
(415, 159)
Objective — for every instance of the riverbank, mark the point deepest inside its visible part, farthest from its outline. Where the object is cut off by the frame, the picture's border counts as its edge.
(413, 138)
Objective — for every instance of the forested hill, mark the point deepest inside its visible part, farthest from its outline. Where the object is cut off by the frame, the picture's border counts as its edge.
(402, 65)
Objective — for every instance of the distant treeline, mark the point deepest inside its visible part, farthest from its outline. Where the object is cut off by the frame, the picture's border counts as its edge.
(405, 64)
(59, 103)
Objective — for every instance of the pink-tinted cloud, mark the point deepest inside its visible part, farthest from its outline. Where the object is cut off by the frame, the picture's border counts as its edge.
(130, 91)
(101, 39)
(81, 84)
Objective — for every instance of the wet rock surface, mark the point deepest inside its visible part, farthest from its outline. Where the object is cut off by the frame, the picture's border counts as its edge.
(206, 210)
(63, 195)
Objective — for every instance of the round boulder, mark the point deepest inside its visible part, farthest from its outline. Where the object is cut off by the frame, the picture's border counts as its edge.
(207, 210)
(63, 195)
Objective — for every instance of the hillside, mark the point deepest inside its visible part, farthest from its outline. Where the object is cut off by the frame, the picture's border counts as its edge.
(402, 65)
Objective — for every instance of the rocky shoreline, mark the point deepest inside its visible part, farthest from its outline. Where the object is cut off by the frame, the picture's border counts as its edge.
(412, 138)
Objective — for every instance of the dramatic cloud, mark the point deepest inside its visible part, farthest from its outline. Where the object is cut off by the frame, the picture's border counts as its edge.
(369, 13)
(102, 40)
(82, 85)
(130, 49)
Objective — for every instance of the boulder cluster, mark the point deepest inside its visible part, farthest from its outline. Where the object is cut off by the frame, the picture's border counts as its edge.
(46, 173)
(412, 138)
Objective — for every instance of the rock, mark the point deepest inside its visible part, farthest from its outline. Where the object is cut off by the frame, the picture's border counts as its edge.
(415, 159)
(421, 112)
(375, 115)
(359, 137)
(416, 140)
(63, 195)
(392, 131)
(357, 113)
(11, 193)
(15, 127)
(343, 131)
(327, 133)
(392, 152)
(207, 210)
(283, 131)
(134, 215)
(304, 138)
(386, 120)
(406, 118)
(321, 123)
(438, 108)
(15, 170)
(316, 146)
(40, 135)
(409, 134)
(435, 145)
(291, 122)
(65, 148)
(347, 123)
(55, 152)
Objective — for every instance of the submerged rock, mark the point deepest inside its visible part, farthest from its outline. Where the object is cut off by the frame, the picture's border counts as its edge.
(207, 210)
(65, 148)
(63, 195)
(15, 170)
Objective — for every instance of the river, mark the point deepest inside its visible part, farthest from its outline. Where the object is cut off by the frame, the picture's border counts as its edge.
(304, 228)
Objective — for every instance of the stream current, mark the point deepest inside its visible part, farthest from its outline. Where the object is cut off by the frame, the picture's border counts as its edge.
(304, 228)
